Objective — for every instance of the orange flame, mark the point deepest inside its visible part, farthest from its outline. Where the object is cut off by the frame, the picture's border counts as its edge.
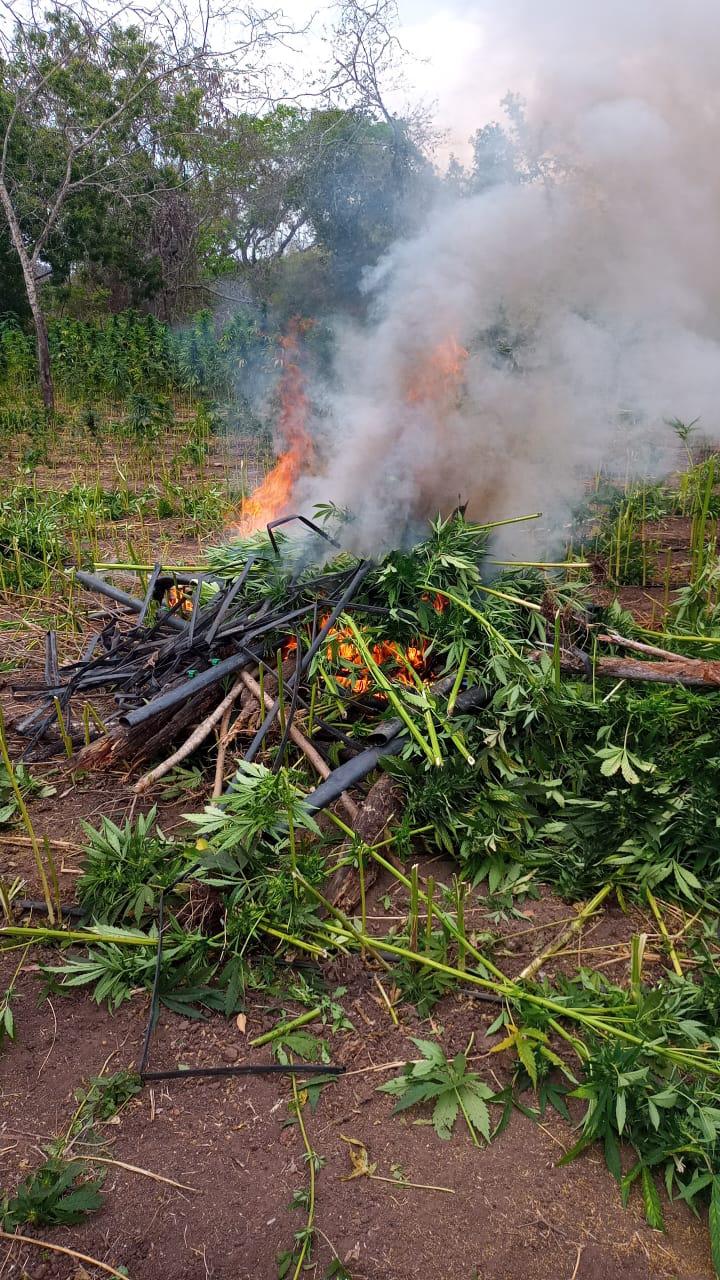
(355, 676)
(440, 375)
(272, 497)
(342, 648)
(179, 596)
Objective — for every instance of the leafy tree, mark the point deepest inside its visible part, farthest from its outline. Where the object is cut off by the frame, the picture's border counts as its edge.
(361, 189)
(87, 96)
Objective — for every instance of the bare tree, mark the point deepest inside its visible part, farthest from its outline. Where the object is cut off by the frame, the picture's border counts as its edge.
(80, 90)
(368, 64)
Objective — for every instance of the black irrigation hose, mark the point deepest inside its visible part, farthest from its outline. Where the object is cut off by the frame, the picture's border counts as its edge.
(31, 904)
(155, 1009)
(267, 1069)
(351, 773)
(310, 524)
(103, 588)
(155, 997)
(227, 600)
(157, 570)
(187, 689)
(52, 673)
(195, 609)
(36, 904)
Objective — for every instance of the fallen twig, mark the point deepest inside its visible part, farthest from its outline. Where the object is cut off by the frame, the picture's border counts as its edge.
(222, 749)
(69, 1253)
(612, 637)
(134, 1168)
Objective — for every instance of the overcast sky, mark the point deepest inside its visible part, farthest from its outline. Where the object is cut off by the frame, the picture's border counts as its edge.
(452, 65)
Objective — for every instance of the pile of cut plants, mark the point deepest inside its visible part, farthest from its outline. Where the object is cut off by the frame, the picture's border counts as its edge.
(435, 724)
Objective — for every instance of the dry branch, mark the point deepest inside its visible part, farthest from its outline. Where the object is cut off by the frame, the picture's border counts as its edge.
(198, 736)
(68, 1253)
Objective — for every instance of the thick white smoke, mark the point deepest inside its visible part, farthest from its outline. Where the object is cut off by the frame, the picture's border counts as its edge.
(603, 276)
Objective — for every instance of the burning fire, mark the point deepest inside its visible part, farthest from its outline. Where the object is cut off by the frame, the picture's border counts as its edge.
(437, 381)
(272, 496)
(359, 680)
(433, 381)
(179, 596)
(396, 661)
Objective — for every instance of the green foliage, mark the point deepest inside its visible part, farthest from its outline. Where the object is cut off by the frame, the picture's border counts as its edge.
(59, 1193)
(104, 1097)
(125, 868)
(421, 985)
(31, 539)
(668, 1115)
(449, 1085)
(29, 787)
(259, 802)
(7, 1017)
(116, 971)
(580, 790)
(137, 359)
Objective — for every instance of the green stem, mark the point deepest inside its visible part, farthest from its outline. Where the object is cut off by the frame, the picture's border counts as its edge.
(26, 819)
(414, 915)
(386, 686)
(311, 1165)
(479, 617)
(511, 991)
(458, 681)
(498, 524)
(442, 916)
(74, 935)
(293, 849)
(503, 595)
(294, 942)
(285, 1027)
(663, 929)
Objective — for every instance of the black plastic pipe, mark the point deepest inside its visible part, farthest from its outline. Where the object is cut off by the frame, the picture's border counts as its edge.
(187, 689)
(103, 588)
(352, 772)
(395, 737)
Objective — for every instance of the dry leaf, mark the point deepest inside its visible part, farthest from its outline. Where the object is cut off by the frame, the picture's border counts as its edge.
(362, 1167)
(241, 1023)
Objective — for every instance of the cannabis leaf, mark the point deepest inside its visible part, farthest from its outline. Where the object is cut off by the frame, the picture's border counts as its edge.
(454, 1089)
(619, 758)
(59, 1192)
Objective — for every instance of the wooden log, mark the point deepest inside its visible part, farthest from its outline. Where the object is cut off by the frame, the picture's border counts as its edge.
(382, 805)
(133, 746)
(693, 673)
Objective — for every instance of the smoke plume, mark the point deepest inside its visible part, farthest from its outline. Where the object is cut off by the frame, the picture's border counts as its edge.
(531, 332)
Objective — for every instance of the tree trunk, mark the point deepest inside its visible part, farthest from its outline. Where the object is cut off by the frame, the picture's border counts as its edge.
(42, 345)
(47, 389)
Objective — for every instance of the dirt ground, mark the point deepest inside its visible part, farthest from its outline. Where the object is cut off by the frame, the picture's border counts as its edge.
(497, 1213)
(512, 1211)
